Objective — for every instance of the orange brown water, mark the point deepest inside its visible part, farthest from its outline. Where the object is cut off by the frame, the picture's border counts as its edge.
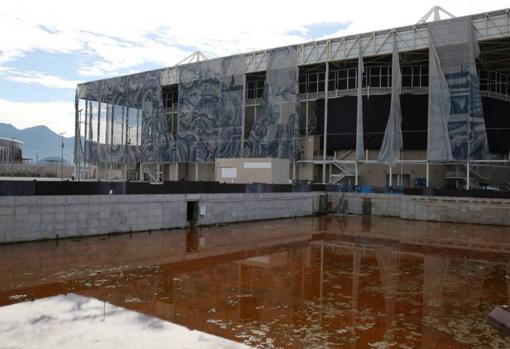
(355, 282)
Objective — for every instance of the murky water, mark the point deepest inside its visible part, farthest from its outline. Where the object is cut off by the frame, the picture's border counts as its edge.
(356, 282)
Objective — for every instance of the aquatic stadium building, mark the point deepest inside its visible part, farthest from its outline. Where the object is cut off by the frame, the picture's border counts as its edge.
(423, 105)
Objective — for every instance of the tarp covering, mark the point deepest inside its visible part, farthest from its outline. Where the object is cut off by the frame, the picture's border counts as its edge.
(210, 110)
(392, 142)
(453, 52)
(438, 139)
(126, 120)
(360, 149)
(275, 132)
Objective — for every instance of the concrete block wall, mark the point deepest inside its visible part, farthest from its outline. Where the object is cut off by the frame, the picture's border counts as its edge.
(28, 218)
(223, 208)
(428, 208)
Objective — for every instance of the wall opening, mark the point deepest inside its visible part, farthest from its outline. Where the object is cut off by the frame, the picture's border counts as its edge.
(192, 211)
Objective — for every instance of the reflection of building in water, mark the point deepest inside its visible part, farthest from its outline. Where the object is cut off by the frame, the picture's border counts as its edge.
(291, 282)
(10, 151)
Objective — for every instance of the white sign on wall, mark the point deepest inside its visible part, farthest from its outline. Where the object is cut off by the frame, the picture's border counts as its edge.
(228, 172)
(257, 165)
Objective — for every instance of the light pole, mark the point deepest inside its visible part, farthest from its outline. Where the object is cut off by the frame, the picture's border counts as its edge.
(62, 156)
(78, 137)
(126, 152)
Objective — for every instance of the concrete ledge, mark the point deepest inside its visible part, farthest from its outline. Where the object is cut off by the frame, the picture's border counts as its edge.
(44, 217)
(429, 208)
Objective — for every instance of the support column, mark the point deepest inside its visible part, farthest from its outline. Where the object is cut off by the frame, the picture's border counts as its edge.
(390, 176)
(243, 125)
(356, 173)
(326, 89)
(141, 171)
(176, 171)
(196, 171)
(468, 184)
(427, 175)
(306, 119)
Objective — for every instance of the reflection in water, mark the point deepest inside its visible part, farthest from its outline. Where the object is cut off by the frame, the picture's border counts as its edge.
(355, 282)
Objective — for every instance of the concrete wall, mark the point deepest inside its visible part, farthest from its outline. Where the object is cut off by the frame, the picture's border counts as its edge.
(218, 208)
(26, 218)
(427, 208)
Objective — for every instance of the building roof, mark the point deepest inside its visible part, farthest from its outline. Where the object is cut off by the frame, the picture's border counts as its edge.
(11, 140)
(488, 25)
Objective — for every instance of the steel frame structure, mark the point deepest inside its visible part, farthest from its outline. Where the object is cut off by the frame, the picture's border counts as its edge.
(488, 26)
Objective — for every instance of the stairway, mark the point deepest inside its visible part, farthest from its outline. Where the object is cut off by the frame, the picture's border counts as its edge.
(339, 171)
(459, 174)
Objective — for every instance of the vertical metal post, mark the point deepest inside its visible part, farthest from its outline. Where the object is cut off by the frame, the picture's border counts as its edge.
(401, 180)
(427, 175)
(85, 133)
(196, 171)
(141, 171)
(91, 136)
(325, 142)
(468, 185)
(176, 171)
(356, 173)
(62, 156)
(243, 125)
(306, 116)
(127, 144)
(390, 176)
(98, 131)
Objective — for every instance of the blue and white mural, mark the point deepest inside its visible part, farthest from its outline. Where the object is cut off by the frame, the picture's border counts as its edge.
(210, 110)
(275, 132)
(210, 114)
(125, 120)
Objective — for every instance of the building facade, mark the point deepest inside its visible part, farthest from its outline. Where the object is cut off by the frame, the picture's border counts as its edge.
(423, 105)
(10, 151)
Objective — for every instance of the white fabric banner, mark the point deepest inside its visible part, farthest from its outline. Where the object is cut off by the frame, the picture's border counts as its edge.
(392, 142)
(438, 138)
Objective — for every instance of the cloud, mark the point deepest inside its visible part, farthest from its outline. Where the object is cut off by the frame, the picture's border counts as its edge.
(110, 38)
(59, 116)
(37, 78)
(122, 36)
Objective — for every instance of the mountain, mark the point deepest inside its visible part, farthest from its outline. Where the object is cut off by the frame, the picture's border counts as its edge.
(39, 142)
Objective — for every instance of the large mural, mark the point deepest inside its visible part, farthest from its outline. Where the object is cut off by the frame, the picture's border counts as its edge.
(275, 132)
(126, 122)
(210, 110)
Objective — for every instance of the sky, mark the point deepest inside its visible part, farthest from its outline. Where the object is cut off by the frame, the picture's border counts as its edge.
(47, 47)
